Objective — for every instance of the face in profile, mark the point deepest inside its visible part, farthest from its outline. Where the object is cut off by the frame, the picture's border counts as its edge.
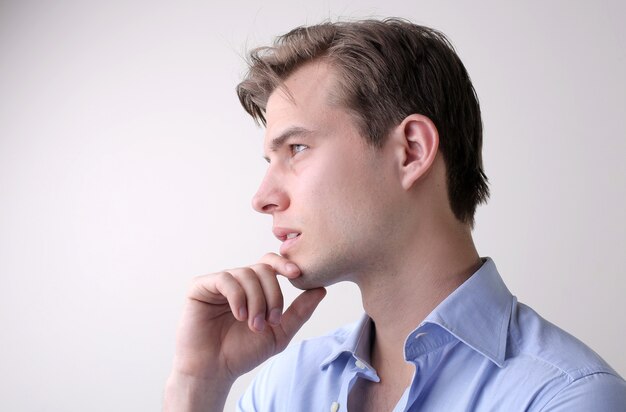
(330, 194)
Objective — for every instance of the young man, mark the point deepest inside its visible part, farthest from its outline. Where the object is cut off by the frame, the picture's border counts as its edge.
(373, 139)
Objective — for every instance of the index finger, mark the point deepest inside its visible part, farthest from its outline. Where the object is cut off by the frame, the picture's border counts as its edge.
(281, 265)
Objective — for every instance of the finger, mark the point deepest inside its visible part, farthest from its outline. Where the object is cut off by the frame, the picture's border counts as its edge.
(281, 265)
(255, 298)
(273, 294)
(301, 310)
(218, 289)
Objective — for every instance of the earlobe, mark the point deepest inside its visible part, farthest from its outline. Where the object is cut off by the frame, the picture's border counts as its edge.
(420, 142)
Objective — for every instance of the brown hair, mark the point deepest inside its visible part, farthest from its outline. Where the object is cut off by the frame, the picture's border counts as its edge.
(388, 70)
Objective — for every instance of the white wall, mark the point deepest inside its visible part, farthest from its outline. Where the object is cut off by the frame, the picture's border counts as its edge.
(127, 168)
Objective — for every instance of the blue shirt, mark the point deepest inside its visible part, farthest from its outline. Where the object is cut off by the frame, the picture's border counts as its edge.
(478, 350)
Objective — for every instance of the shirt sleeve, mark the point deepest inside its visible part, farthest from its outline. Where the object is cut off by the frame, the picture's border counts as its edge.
(600, 392)
(258, 396)
(271, 388)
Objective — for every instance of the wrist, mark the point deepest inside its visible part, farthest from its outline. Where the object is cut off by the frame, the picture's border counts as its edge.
(184, 392)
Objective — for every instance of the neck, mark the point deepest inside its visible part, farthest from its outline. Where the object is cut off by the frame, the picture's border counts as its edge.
(399, 296)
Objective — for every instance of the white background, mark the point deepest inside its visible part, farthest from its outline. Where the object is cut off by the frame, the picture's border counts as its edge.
(127, 168)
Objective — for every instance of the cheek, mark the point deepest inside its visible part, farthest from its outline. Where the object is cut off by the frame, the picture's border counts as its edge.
(344, 196)
(342, 192)
(337, 182)
(323, 196)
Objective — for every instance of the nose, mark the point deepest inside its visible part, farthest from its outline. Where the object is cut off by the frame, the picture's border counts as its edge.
(270, 196)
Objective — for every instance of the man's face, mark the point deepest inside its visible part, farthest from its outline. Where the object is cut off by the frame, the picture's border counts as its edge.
(330, 194)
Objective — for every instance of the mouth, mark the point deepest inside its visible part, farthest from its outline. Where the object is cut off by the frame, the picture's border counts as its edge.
(288, 237)
(285, 234)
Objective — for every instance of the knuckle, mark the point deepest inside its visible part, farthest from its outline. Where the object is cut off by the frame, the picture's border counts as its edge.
(199, 282)
(244, 273)
(263, 268)
(221, 277)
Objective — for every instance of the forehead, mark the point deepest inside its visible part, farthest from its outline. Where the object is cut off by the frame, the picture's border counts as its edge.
(304, 99)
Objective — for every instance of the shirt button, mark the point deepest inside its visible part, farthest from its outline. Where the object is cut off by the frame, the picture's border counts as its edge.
(419, 335)
(360, 364)
(334, 407)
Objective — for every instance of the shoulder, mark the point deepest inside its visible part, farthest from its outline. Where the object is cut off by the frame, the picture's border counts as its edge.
(569, 373)
(593, 392)
(533, 337)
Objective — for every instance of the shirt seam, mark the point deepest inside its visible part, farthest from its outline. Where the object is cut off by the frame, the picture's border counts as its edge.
(543, 408)
(572, 374)
(454, 341)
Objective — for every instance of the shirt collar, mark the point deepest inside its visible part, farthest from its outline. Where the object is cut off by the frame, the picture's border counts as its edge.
(357, 343)
(477, 313)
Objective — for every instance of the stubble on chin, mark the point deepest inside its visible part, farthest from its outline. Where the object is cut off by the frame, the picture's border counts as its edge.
(316, 277)
(323, 268)
(305, 282)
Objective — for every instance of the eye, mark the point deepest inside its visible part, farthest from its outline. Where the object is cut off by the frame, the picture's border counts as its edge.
(297, 148)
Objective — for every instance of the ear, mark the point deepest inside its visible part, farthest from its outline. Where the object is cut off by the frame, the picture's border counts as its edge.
(417, 143)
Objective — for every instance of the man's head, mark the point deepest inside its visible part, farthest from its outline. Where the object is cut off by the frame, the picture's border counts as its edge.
(386, 71)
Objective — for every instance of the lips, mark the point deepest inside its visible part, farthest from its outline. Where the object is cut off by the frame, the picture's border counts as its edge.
(288, 236)
(283, 234)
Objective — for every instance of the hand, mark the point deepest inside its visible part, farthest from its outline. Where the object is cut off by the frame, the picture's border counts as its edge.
(233, 320)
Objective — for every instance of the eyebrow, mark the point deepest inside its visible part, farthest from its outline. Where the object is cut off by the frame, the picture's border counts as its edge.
(279, 141)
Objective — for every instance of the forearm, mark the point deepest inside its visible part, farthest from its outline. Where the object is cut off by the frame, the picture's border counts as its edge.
(184, 393)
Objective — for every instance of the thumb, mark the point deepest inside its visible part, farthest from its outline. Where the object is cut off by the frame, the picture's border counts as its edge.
(301, 310)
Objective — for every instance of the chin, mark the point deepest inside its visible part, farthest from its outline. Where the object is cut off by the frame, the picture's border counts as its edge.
(304, 282)
(316, 277)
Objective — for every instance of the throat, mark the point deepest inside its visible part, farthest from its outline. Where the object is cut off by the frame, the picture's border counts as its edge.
(372, 396)
(395, 374)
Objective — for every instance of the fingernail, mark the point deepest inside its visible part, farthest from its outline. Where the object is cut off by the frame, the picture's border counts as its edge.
(291, 268)
(275, 316)
(259, 323)
(243, 314)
